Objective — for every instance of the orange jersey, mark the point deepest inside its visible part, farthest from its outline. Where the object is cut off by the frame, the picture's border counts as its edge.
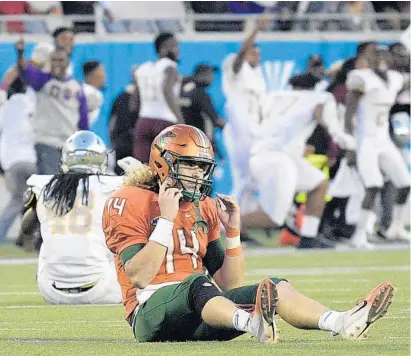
(129, 218)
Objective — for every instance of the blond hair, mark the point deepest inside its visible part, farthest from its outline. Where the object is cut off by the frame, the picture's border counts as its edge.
(143, 177)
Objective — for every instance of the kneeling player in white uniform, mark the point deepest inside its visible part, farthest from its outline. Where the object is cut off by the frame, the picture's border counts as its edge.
(277, 164)
(75, 266)
(372, 92)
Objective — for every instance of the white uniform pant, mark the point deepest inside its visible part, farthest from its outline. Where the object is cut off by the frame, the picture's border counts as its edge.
(378, 157)
(106, 291)
(347, 184)
(238, 154)
(278, 177)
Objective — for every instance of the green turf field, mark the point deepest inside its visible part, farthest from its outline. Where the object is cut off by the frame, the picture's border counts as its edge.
(30, 327)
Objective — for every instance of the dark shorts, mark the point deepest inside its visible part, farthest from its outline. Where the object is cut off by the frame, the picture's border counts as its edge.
(146, 131)
(168, 316)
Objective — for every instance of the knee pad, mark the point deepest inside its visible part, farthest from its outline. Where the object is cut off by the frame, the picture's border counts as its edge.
(402, 196)
(369, 199)
(201, 291)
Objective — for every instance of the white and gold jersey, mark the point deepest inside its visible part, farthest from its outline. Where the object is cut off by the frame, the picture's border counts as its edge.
(74, 248)
(289, 120)
(244, 92)
(375, 104)
(150, 78)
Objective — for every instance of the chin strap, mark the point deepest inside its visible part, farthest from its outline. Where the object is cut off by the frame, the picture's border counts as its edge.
(200, 223)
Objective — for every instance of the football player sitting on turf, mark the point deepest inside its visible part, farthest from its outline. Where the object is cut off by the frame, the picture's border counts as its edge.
(165, 231)
(75, 266)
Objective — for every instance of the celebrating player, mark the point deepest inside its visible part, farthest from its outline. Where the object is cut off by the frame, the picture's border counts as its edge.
(372, 93)
(75, 266)
(277, 164)
(243, 86)
(165, 231)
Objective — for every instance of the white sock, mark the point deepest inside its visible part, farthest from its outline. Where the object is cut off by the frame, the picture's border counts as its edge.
(370, 221)
(240, 320)
(398, 213)
(331, 320)
(366, 220)
(310, 226)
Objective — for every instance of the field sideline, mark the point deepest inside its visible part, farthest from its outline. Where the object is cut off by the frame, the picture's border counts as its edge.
(30, 327)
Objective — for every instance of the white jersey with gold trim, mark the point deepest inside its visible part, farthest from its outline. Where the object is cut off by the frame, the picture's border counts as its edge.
(150, 78)
(375, 103)
(74, 249)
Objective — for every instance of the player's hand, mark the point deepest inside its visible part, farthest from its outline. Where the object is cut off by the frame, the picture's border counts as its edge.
(20, 45)
(169, 200)
(351, 157)
(228, 212)
(263, 23)
(129, 164)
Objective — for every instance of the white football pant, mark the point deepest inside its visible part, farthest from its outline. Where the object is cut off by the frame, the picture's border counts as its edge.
(278, 177)
(375, 158)
(106, 291)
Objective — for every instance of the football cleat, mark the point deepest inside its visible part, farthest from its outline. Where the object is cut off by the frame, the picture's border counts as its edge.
(367, 311)
(397, 231)
(360, 240)
(265, 305)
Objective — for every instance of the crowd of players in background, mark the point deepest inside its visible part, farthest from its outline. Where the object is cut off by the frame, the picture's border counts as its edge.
(50, 108)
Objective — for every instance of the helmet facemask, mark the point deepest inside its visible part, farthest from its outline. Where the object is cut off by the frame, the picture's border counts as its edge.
(84, 161)
(201, 186)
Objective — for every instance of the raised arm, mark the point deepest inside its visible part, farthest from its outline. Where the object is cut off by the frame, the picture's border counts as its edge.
(32, 75)
(226, 265)
(171, 78)
(247, 44)
(142, 268)
(21, 63)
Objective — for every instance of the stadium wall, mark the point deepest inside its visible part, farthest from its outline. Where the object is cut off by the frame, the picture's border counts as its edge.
(280, 60)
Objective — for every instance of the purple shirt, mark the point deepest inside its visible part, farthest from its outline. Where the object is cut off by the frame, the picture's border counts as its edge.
(61, 107)
(37, 79)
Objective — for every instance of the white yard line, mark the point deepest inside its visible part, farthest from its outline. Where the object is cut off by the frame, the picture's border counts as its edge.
(341, 248)
(55, 322)
(18, 261)
(3, 294)
(325, 270)
(310, 281)
(59, 305)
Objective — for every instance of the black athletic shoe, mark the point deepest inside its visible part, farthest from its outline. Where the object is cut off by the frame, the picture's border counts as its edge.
(318, 242)
(246, 240)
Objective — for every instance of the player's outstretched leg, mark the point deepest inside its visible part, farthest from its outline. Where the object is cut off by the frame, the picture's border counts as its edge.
(305, 313)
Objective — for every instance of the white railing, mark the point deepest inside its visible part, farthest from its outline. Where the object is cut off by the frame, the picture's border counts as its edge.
(199, 26)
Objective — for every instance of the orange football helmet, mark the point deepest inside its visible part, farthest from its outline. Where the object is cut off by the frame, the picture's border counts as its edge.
(183, 143)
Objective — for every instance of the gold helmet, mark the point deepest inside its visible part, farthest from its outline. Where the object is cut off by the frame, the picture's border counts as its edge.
(183, 144)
